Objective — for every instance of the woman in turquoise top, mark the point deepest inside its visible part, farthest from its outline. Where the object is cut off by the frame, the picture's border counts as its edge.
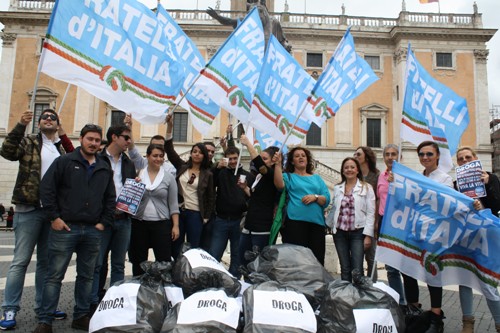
(308, 198)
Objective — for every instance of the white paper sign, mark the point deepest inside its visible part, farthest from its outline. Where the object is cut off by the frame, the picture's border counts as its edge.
(211, 305)
(382, 286)
(117, 308)
(174, 295)
(283, 309)
(374, 320)
(200, 258)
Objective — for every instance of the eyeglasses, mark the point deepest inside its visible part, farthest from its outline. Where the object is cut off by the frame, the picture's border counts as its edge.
(191, 179)
(46, 116)
(428, 154)
(125, 137)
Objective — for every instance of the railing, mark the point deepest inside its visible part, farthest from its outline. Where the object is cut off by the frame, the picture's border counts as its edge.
(190, 16)
(329, 175)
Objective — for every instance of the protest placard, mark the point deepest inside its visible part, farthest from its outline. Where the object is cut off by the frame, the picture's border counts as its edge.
(130, 196)
(469, 179)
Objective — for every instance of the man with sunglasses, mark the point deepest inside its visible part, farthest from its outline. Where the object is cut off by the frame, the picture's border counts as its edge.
(116, 237)
(35, 153)
(78, 194)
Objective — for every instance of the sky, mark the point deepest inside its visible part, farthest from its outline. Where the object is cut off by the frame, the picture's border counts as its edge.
(378, 8)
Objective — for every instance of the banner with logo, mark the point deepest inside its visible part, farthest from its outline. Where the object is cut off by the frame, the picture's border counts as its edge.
(432, 233)
(202, 110)
(282, 93)
(432, 111)
(230, 78)
(116, 50)
(345, 77)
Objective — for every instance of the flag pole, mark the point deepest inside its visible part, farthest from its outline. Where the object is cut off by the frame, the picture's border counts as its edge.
(64, 98)
(188, 89)
(33, 96)
(294, 123)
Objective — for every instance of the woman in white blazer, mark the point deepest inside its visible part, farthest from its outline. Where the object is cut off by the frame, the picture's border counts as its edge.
(352, 218)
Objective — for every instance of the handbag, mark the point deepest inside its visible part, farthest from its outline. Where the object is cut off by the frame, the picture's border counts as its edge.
(279, 221)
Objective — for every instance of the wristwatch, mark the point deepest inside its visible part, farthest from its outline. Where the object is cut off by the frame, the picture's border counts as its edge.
(316, 196)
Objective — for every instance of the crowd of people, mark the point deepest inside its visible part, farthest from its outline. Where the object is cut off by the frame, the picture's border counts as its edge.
(65, 201)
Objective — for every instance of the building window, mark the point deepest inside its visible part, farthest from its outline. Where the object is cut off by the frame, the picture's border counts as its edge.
(373, 61)
(117, 117)
(315, 60)
(180, 126)
(444, 60)
(39, 107)
(374, 133)
(374, 125)
(313, 137)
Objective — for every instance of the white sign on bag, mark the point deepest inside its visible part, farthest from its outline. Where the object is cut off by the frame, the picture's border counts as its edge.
(211, 305)
(174, 295)
(374, 320)
(200, 258)
(382, 286)
(117, 308)
(283, 309)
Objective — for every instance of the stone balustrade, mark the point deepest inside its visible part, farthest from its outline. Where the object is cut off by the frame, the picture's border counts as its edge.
(190, 16)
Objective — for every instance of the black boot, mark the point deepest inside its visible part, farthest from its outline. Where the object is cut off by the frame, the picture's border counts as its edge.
(437, 325)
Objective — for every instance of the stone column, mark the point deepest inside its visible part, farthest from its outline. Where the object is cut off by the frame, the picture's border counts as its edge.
(7, 66)
(399, 93)
(482, 100)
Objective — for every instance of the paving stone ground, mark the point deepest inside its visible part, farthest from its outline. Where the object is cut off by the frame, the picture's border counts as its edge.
(26, 320)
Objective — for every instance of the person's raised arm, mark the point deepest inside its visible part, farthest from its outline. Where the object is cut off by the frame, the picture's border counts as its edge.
(251, 149)
(278, 172)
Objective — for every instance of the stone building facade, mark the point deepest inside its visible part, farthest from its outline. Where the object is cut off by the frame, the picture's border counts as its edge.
(452, 47)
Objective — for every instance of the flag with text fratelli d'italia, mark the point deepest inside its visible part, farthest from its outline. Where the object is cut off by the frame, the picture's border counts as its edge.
(202, 110)
(281, 95)
(231, 76)
(432, 233)
(116, 50)
(432, 111)
(345, 77)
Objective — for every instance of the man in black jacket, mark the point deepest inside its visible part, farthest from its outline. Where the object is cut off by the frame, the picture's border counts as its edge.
(78, 194)
(232, 194)
(116, 237)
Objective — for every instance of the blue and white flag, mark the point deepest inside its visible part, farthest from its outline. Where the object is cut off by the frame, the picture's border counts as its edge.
(116, 50)
(432, 233)
(281, 95)
(345, 77)
(231, 76)
(202, 110)
(262, 141)
(432, 111)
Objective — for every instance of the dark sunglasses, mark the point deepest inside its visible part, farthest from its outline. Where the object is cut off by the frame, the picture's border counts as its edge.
(428, 154)
(126, 137)
(191, 179)
(46, 116)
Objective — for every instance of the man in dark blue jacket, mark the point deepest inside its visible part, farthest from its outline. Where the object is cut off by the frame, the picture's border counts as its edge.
(78, 194)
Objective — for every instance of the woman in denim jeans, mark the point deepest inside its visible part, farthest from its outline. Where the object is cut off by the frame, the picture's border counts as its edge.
(352, 218)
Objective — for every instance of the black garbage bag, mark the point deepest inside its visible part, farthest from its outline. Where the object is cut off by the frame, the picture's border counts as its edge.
(207, 311)
(137, 305)
(197, 270)
(348, 305)
(269, 307)
(293, 266)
